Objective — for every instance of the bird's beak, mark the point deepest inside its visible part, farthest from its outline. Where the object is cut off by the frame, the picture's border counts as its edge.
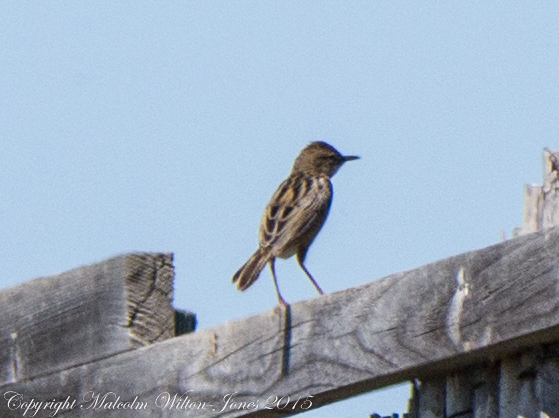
(350, 158)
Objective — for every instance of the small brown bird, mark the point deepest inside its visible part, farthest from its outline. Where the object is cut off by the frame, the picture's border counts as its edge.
(295, 214)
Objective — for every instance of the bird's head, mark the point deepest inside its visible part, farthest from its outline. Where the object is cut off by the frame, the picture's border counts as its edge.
(320, 158)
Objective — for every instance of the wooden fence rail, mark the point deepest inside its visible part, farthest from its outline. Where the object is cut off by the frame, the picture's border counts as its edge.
(526, 382)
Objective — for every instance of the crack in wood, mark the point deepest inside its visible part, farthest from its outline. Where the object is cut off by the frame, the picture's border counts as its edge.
(136, 306)
(226, 356)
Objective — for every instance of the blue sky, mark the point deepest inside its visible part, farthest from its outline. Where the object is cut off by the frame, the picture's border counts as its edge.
(167, 126)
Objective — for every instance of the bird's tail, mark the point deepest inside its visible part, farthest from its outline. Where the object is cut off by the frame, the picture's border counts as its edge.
(248, 273)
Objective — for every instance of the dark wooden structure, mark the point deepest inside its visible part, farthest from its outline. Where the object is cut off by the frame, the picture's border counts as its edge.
(477, 334)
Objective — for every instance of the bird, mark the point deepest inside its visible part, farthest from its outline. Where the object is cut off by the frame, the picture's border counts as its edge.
(295, 214)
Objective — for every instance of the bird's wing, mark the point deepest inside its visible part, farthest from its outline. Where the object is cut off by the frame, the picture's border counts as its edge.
(299, 207)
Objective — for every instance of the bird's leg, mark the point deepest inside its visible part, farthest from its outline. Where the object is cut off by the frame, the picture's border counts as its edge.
(273, 268)
(300, 261)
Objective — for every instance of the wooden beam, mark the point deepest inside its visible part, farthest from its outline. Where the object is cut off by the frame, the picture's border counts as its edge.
(434, 320)
(459, 395)
(54, 323)
(486, 391)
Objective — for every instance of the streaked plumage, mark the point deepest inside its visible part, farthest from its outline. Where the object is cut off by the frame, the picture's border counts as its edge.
(295, 214)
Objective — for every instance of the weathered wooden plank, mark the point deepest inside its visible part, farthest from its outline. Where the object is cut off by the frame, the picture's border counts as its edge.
(459, 395)
(421, 323)
(547, 380)
(529, 398)
(486, 391)
(509, 385)
(519, 395)
(53, 323)
(432, 398)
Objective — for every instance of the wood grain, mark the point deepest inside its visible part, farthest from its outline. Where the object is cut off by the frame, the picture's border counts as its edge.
(54, 323)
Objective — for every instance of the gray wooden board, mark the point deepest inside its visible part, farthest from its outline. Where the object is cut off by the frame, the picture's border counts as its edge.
(459, 395)
(432, 399)
(53, 323)
(510, 387)
(486, 391)
(424, 323)
(547, 381)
